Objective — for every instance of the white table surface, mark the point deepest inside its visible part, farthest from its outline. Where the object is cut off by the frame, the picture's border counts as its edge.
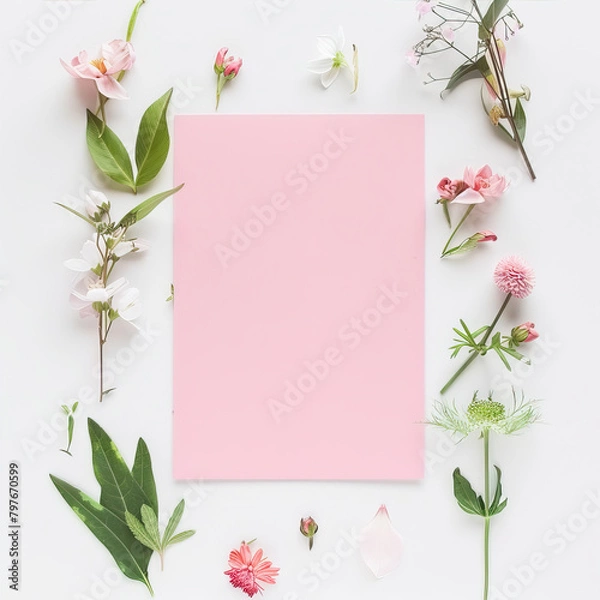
(47, 354)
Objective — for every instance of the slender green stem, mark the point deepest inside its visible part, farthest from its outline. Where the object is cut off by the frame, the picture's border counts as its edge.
(101, 342)
(458, 226)
(133, 20)
(486, 535)
(220, 84)
(474, 353)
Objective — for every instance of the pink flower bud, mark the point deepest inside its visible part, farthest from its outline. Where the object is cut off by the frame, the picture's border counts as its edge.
(485, 236)
(449, 189)
(220, 60)
(232, 68)
(524, 333)
(308, 528)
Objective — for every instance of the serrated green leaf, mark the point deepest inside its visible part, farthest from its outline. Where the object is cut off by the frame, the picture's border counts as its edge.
(465, 495)
(111, 531)
(143, 474)
(143, 209)
(468, 69)
(120, 492)
(491, 17)
(152, 145)
(150, 521)
(520, 120)
(181, 537)
(108, 152)
(140, 533)
(173, 523)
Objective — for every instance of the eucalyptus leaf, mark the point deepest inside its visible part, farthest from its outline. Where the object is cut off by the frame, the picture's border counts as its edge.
(113, 532)
(520, 120)
(108, 152)
(146, 207)
(173, 523)
(152, 145)
(140, 532)
(142, 473)
(465, 495)
(120, 492)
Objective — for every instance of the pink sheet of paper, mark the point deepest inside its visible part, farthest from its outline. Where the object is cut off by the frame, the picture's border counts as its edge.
(299, 309)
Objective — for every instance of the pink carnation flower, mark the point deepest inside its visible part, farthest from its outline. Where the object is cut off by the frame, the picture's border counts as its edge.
(248, 571)
(485, 183)
(514, 276)
(115, 57)
(449, 189)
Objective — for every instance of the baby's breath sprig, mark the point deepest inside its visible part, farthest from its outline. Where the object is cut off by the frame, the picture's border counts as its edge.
(484, 416)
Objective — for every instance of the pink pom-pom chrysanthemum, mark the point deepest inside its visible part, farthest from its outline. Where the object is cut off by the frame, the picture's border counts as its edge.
(514, 276)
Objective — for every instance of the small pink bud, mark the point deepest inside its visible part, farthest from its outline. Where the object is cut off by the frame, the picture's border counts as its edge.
(485, 236)
(220, 60)
(524, 333)
(308, 528)
(449, 189)
(232, 68)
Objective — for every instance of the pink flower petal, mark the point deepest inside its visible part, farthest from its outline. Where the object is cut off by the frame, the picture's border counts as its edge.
(381, 545)
(111, 88)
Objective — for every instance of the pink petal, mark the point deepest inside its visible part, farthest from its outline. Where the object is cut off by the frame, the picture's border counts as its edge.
(469, 196)
(381, 545)
(111, 88)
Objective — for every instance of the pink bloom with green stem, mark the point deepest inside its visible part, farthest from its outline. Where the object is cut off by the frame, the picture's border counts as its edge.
(226, 69)
(515, 278)
(524, 333)
(472, 242)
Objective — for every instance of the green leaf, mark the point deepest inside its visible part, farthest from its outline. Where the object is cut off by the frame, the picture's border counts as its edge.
(152, 145)
(173, 523)
(120, 492)
(150, 521)
(139, 532)
(110, 530)
(180, 537)
(497, 506)
(74, 407)
(108, 152)
(146, 207)
(142, 473)
(491, 18)
(71, 427)
(520, 120)
(465, 495)
(73, 211)
(133, 20)
(468, 69)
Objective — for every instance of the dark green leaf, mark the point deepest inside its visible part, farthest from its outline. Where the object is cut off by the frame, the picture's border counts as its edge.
(465, 495)
(468, 69)
(520, 120)
(491, 17)
(110, 530)
(173, 523)
(139, 532)
(142, 473)
(120, 492)
(497, 505)
(180, 537)
(152, 146)
(108, 152)
(146, 207)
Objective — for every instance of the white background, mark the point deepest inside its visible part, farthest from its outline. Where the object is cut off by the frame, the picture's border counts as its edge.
(48, 354)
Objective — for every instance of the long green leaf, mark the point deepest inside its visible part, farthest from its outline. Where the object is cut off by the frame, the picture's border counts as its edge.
(152, 145)
(520, 120)
(108, 152)
(133, 19)
(465, 495)
(491, 17)
(139, 532)
(120, 492)
(146, 207)
(180, 537)
(77, 213)
(110, 530)
(468, 69)
(173, 523)
(143, 474)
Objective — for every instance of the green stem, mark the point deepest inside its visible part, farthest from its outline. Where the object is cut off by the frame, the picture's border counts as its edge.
(475, 354)
(101, 342)
(460, 224)
(220, 83)
(133, 20)
(486, 535)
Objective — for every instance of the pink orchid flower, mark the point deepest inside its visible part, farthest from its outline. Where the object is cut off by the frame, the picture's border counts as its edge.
(482, 185)
(115, 56)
